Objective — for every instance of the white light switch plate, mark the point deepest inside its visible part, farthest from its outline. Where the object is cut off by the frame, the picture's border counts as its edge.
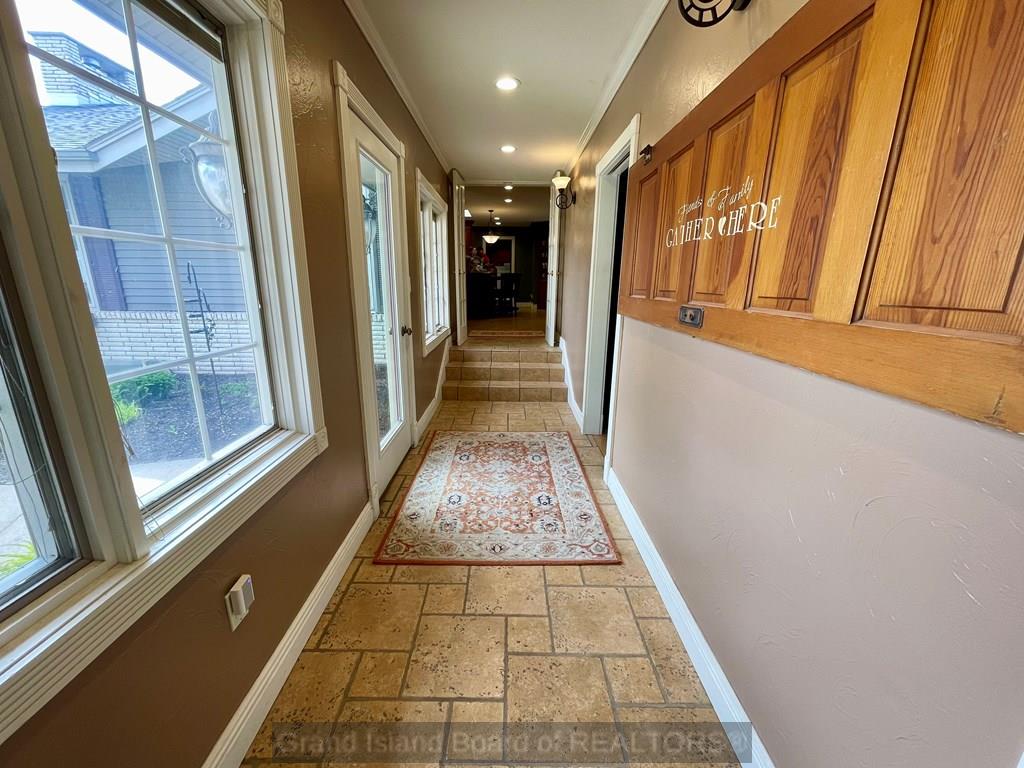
(239, 599)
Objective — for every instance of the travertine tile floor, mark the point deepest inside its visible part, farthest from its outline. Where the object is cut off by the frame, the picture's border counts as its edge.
(492, 644)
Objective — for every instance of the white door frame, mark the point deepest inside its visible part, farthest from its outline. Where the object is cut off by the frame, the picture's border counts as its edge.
(351, 102)
(554, 258)
(459, 251)
(620, 156)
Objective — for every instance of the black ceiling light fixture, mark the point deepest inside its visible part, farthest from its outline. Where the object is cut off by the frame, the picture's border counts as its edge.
(707, 13)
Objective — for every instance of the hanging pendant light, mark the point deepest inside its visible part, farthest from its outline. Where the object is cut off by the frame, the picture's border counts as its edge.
(491, 237)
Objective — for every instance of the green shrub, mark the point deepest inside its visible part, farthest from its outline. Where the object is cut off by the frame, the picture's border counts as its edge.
(126, 412)
(23, 554)
(235, 389)
(145, 389)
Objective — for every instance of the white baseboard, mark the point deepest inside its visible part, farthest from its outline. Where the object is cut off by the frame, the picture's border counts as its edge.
(573, 405)
(428, 415)
(724, 700)
(230, 749)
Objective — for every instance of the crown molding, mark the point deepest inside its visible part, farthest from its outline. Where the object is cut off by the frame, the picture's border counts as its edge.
(645, 24)
(365, 23)
(503, 182)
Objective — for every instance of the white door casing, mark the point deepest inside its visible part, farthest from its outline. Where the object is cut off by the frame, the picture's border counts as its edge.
(364, 134)
(554, 263)
(621, 155)
(458, 208)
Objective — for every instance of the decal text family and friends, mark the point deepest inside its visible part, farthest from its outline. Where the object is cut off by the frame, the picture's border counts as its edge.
(730, 216)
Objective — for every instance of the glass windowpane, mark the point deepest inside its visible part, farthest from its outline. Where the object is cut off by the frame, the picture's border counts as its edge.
(160, 427)
(197, 184)
(231, 398)
(36, 534)
(177, 74)
(136, 314)
(377, 231)
(169, 191)
(99, 45)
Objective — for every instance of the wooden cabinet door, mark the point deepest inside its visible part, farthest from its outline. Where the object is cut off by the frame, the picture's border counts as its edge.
(643, 204)
(809, 143)
(950, 253)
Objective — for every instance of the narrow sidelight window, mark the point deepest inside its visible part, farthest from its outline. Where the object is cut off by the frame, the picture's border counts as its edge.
(38, 540)
(434, 265)
(137, 104)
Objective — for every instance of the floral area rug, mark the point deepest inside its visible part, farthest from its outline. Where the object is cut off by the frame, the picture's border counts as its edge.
(501, 498)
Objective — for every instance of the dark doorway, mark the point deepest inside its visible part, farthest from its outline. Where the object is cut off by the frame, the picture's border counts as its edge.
(620, 226)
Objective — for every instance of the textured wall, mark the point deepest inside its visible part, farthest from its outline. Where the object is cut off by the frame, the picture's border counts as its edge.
(678, 67)
(161, 695)
(320, 31)
(854, 560)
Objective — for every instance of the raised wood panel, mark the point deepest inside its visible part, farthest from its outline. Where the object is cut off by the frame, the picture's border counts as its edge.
(645, 235)
(674, 259)
(808, 152)
(892, 134)
(951, 247)
(718, 258)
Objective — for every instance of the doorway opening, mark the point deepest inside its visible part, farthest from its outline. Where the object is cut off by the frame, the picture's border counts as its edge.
(620, 229)
(597, 411)
(505, 261)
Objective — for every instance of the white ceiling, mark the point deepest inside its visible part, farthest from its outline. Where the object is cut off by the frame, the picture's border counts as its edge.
(529, 204)
(445, 55)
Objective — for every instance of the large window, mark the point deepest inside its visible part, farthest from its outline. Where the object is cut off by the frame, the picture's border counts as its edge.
(155, 320)
(138, 109)
(434, 264)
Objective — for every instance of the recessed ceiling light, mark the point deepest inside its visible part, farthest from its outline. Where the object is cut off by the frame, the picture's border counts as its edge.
(507, 83)
(508, 199)
(509, 187)
(508, 149)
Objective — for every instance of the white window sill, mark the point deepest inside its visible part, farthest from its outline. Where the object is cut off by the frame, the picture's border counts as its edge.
(430, 343)
(44, 646)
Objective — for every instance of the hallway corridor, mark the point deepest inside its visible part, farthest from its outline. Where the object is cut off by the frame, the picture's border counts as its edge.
(496, 646)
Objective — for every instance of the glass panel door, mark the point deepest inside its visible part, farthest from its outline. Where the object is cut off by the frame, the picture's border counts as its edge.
(386, 367)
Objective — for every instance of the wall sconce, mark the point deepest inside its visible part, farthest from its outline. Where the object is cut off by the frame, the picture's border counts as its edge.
(565, 196)
(707, 13)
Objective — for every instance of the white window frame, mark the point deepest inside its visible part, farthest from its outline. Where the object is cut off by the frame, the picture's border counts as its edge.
(134, 564)
(433, 263)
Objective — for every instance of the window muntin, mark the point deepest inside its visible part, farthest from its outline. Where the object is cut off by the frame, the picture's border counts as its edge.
(139, 117)
(37, 536)
(434, 266)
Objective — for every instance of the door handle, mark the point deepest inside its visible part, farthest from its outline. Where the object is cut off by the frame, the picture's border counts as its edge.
(406, 330)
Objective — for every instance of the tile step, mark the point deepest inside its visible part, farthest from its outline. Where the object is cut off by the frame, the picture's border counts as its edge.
(476, 355)
(472, 371)
(506, 391)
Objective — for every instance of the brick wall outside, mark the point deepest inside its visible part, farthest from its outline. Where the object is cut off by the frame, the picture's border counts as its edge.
(152, 336)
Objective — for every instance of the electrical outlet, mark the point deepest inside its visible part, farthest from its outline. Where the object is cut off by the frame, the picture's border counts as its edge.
(239, 599)
(692, 316)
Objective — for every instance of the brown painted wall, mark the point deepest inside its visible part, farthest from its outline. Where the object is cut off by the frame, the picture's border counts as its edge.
(162, 694)
(317, 32)
(853, 559)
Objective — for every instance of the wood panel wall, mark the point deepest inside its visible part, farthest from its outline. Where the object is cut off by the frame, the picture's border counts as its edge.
(849, 201)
